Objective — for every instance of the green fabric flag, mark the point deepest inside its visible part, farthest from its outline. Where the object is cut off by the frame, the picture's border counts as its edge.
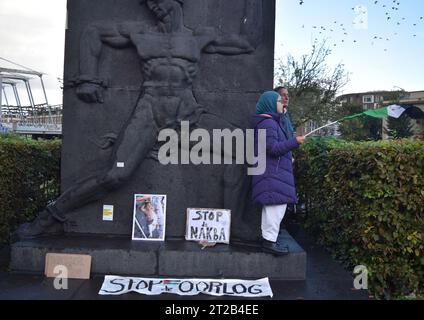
(375, 113)
(394, 111)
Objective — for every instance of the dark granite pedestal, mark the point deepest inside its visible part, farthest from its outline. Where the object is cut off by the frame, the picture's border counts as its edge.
(173, 258)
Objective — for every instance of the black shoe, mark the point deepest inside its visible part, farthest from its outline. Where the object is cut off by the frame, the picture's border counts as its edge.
(274, 248)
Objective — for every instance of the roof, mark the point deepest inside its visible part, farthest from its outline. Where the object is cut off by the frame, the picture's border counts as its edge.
(377, 92)
(363, 93)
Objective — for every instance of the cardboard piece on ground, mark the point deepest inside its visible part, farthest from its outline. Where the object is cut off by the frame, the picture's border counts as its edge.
(78, 265)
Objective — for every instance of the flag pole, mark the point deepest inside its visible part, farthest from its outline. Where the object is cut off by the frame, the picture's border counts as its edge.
(327, 125)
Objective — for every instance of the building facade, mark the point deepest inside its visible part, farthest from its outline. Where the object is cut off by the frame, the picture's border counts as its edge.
(378, 99)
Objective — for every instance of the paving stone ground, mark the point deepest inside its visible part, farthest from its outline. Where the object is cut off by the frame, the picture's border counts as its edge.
(326, 280)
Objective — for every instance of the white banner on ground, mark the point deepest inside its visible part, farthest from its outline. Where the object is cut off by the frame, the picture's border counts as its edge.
(115, 285)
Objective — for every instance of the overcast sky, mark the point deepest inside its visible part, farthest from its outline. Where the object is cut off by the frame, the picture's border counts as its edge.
(32, 34)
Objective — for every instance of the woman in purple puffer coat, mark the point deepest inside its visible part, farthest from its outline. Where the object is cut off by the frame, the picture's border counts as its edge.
(275, 188)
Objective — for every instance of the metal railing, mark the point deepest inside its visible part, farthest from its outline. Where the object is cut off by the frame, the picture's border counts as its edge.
(34, 118)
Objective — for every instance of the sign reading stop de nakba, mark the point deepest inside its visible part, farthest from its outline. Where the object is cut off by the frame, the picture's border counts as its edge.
(211, 225)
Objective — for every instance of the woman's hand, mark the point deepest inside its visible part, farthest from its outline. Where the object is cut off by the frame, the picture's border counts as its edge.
(300, 139)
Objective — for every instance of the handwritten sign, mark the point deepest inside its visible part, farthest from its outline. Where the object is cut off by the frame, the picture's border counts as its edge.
(211, 225)
(77, 266)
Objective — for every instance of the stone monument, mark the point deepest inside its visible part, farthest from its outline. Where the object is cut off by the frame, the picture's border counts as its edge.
(132, 69)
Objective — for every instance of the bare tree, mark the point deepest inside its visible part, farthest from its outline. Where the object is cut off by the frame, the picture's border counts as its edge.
(312, 84)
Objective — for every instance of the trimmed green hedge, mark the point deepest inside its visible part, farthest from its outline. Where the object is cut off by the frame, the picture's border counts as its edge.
(365, 202)
(29, 179)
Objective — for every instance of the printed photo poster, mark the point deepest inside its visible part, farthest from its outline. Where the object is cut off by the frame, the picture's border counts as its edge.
(149, 218)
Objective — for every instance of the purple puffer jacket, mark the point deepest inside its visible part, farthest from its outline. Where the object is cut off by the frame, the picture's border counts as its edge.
(276, 186)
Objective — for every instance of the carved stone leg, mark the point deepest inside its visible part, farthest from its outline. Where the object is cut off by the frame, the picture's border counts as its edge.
(47, 222)
(132, 149)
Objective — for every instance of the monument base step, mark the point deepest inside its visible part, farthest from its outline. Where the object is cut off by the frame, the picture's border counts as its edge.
(173, 258)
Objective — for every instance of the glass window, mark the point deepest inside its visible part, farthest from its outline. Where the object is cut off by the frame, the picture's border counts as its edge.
(368, 99)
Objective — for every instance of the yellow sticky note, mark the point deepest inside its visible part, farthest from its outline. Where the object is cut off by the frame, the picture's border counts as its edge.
(107, 213)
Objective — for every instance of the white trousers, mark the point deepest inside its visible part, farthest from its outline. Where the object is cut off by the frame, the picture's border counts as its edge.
(271, 220)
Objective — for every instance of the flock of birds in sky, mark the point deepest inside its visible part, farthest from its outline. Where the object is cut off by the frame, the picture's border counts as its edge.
(393, 17)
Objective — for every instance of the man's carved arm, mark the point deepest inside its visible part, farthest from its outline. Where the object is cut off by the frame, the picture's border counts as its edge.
(251, 31)
(89, 86)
